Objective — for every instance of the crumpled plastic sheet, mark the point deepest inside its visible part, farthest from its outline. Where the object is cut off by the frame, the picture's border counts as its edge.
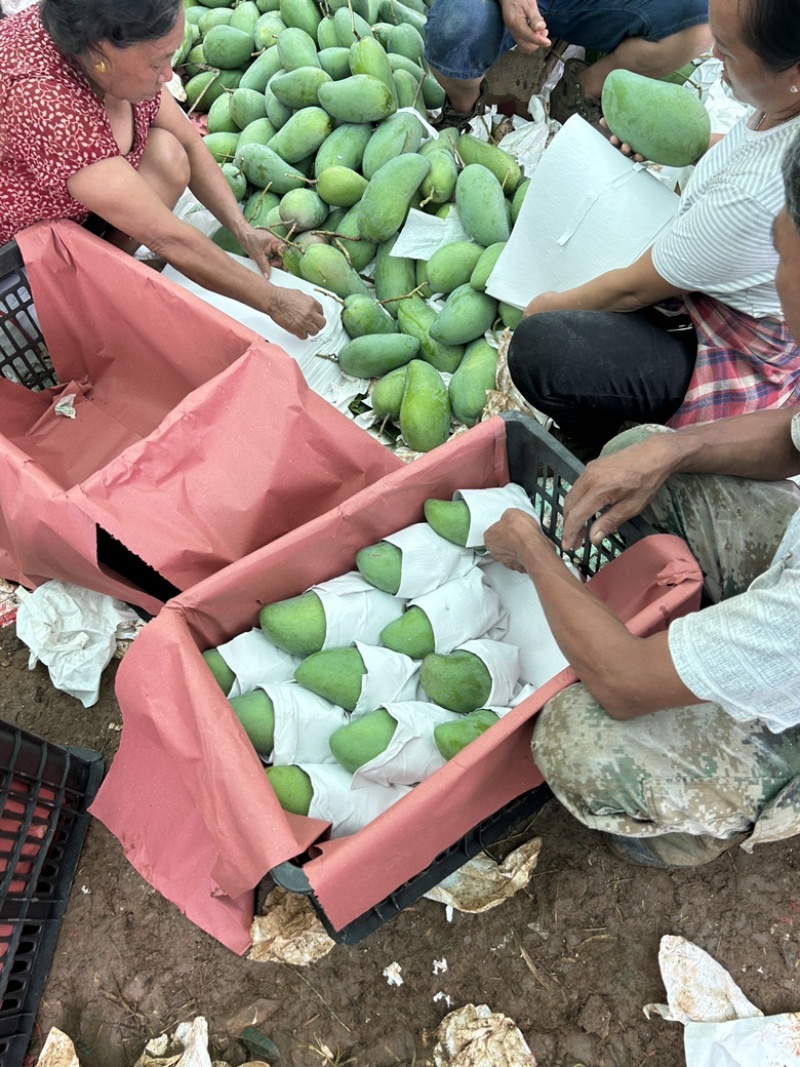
(482, 883)
(475, 1036)
(73, 631)
(288, 931)
(722, 1028)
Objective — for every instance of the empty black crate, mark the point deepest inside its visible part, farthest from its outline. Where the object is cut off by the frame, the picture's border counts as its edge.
(23, 353)
(546, 470)
(45, 790)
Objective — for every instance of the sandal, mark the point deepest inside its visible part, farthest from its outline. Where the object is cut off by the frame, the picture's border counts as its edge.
(568, 97)
(449, 118)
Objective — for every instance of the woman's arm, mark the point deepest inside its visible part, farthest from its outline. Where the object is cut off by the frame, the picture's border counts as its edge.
(625, 289)
(112, 189)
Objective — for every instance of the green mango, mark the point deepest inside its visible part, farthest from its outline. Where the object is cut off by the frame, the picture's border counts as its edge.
(663, 122)
(359, 98)
(223, 675)
(219, 115)
(227, 48)
(411, 634)
(503, 165)
(356, 249)
(292, 787)
(263, 167)
(296, 625)
(299, 88)
(222, 146)
(452, 265)
(425, 409)
(302, 134)
(235, 179)
(301, 14)
(519, 198)
(393, 137)
(415, 317)
(485, 265)
(466, 315)
(451, 737)
(381, 565)
(387, 394)
(246, 106)
(343, 148)
(256, 713)
(364, 315)
(302, 209)
(371, 356)
(449, 518)
(335, 62)
(264, 67)
(297, 48)
(204, 88)
(258, 205)
(335, 674)
(326, 266)
(360, 741)
(510, 315)
(481, 205)
(459, 681)
(395, 276)
(474, 377)
(383, 208)
(341, 186)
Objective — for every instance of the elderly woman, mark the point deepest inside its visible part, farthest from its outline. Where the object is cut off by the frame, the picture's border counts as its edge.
(728, 351)
(88, 129)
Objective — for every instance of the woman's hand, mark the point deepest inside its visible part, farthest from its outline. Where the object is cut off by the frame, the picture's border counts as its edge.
(297, 313)
(263, 247)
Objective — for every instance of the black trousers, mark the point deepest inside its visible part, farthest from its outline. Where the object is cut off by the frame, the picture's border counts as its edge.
(591, 371)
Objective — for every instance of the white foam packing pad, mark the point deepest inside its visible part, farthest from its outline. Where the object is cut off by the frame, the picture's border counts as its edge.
(428, 559)
(502, 661)
(486, 507)
(303, 724)
(256, 661)
(540, 657)
(348, 810)
(411, 755)
(355, 610)
(390, 676)
(461, 610)
(322, 375)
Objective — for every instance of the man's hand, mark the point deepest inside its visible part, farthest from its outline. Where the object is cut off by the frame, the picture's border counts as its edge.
(299, 314)
(624, 483)
(549, 301)
(525, 24)
(263, 247)
(513, 538)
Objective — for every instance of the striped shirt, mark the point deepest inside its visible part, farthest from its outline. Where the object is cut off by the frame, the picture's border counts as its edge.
(720, 242)
(742, 653)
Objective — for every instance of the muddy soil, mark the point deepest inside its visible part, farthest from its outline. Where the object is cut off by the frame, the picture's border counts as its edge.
(572, 959)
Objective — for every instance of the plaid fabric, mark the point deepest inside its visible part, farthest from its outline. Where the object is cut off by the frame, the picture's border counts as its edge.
(743, 364)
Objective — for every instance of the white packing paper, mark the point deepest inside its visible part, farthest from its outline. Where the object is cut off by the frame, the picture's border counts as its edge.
(304, 723)
(422, 234)
(722, 1028)
(501, 659)
(428, 559)
(323, 375)
(348, 810)
(486, 507)
(526, 626)
(461, 610)
(73, 631)
(355, 610)
(390, 676)
(256, 661)
(411, 755)
(589, 209)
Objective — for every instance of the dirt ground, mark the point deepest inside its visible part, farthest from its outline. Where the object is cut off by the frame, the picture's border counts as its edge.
(571, 960)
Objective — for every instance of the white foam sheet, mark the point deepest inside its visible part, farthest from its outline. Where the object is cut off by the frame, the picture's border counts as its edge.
(303, 724)
(355, 610)
(411, 755)
(256, 661)
(588, 209)
(348, 810)
(428, 559)
(390, 676)
(487, 506)
(502, 661)
(322, 375)
(461, 610)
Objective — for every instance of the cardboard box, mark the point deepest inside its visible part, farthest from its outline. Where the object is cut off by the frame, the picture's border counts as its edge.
(187, 795)
(194, 441)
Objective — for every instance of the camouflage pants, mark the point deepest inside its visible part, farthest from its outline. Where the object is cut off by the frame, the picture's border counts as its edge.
(693, 777)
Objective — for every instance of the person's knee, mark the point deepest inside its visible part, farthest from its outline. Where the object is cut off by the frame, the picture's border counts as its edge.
(165, 165)
(564, 741)
(535, 353)
(632, 436)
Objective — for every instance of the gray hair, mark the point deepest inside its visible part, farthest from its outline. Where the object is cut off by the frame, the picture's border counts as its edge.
(79, 25)
(791, 180)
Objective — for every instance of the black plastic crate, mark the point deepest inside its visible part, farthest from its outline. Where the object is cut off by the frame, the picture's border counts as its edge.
(23, 353)
(546, 470)
(45, 790)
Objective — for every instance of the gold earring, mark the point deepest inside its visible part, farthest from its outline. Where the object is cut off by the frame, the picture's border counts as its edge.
(100, 67)
(794, 89)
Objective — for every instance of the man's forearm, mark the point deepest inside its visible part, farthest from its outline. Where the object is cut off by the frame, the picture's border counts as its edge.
(758, 445)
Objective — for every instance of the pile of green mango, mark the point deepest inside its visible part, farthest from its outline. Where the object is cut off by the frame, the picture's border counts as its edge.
(302, 102)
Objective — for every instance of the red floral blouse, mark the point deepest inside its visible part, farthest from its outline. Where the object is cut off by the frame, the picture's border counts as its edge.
(52, 123)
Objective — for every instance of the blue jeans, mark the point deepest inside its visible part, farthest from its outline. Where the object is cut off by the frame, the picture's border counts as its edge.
(463, 38)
